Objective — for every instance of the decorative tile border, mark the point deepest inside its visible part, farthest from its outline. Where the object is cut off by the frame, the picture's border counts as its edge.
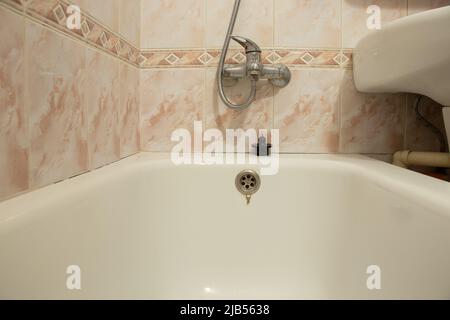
(210, 57)
(52, 13)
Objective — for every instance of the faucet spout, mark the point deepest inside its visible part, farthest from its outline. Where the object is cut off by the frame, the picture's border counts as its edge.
(247, 44)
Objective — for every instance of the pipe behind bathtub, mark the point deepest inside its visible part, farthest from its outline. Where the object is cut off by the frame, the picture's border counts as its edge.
(405, 159)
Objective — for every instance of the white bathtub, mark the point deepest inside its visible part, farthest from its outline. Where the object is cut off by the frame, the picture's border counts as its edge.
(143, 228)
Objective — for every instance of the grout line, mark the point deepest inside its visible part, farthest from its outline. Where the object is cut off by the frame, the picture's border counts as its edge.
(273, 22)
(86, 110)
(342, 76)
(207, 48)
(341, 19)
(340, 121)
(26, 102)
(141, 23)
(120, 106)
(204, 108)
(205, 37)
(140, 110)
(273, 44)
(205, 22)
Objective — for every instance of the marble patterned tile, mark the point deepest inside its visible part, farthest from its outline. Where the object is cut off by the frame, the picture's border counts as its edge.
(255, 22)
(14, 142)
(129, 110)
(100, 23)
(258, 116)
(307, 113)
(371, 123)
(354, 17)
(130, 21)
(17, 4)
(102, 91)
(56, 106)
(307, 23)
(170, 99)
(416, 6)
(105, 11)
(388, 158)
(173, 24)
(43, 8)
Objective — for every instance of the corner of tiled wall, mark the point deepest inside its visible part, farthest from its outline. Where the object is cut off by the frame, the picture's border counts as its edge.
(68, 104)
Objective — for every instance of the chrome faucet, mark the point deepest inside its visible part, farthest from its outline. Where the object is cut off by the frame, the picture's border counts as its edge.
(228, 75)
(279, 75)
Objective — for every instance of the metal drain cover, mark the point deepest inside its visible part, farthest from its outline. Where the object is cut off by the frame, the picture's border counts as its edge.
(248, 182)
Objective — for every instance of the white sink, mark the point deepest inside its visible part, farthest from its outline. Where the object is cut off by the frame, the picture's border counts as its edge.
(411, 54)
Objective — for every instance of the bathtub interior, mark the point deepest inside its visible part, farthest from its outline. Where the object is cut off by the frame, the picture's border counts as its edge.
(154, 231)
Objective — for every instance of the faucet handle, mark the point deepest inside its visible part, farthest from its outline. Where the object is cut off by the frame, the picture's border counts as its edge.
(247, 44)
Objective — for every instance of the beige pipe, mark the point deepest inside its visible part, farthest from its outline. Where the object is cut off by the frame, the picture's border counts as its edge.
(405, 159)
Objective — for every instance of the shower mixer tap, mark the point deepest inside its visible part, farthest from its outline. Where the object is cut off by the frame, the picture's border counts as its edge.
(279, 75)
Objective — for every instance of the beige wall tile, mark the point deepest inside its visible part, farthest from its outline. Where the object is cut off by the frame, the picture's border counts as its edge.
(130, 21)
(14, 143)
(308, 23)
(416, 6)
(258, 116)
(371, 123)
(173, 24)
(170, 100)
(354, 17)
(129, 110)
(255, 21)
(121, 16)
(56, 106)
(382, 157)
(105, 11)
(102, 90)
(44, 8)
(307, 112)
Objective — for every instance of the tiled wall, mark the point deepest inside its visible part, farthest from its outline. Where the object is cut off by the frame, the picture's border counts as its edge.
(319, 112)
(68, 104)
(70, 99)
(120, 16)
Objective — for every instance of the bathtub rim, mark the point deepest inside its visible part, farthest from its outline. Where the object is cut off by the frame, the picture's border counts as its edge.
(433, 192)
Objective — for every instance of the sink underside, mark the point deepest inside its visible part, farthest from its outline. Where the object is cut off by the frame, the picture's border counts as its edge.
(411, 54)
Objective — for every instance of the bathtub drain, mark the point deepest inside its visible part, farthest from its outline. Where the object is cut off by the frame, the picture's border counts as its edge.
(248, 183)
